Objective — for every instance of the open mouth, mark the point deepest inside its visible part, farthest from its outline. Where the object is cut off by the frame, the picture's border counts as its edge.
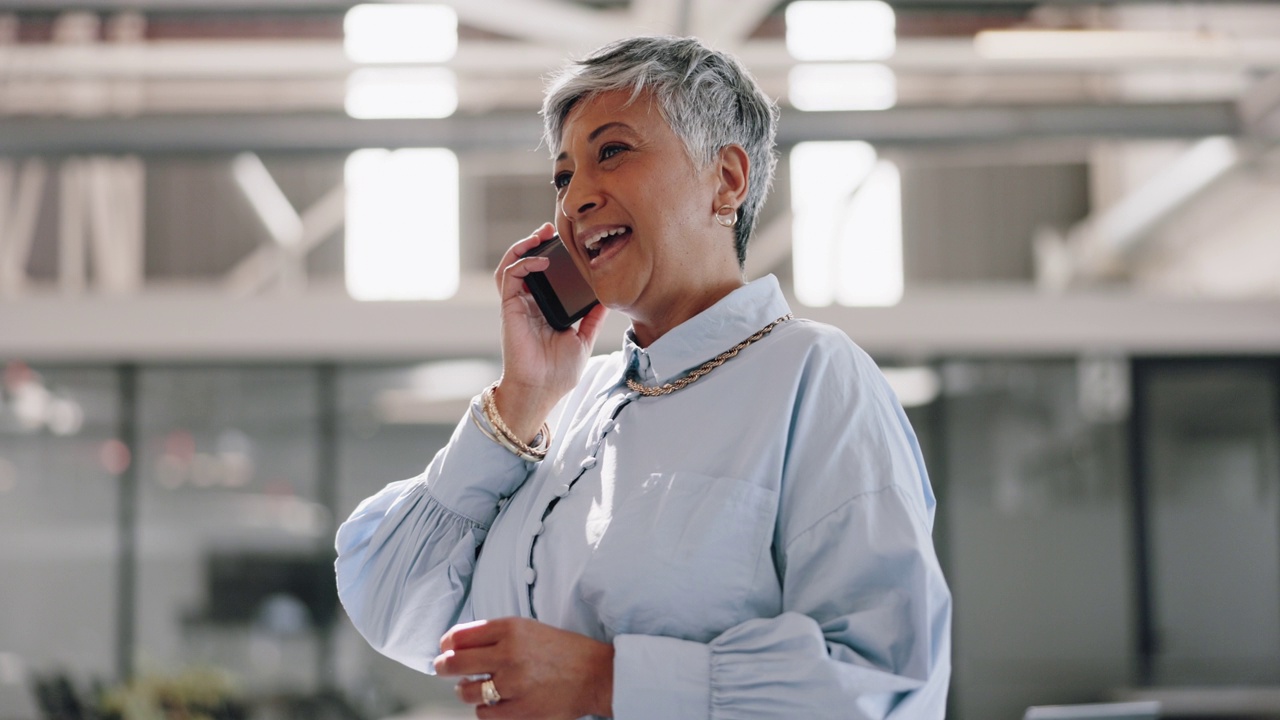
(602, 242)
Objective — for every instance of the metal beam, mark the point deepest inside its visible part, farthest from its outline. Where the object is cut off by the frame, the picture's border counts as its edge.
(281, 221)
(267, 262)
(522, 130)
(263, 133)
(206, 325)
(931, 125)
(245, 59)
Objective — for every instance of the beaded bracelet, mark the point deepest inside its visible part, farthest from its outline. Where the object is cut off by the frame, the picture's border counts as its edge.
(504, 436)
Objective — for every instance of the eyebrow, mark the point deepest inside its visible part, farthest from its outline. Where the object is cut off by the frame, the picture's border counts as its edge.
(596, 133)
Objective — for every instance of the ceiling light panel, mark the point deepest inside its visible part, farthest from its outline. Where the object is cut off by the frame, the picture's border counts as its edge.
(400, 33)
(840, 30)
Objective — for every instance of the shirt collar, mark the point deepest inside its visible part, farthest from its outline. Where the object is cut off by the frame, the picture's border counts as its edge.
(734, 318)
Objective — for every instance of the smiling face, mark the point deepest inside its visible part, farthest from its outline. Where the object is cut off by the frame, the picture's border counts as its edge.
(638, 215)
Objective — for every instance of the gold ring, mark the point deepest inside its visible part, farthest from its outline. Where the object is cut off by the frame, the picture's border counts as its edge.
(489, 693)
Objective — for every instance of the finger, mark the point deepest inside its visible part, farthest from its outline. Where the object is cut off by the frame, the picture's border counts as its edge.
(590, 326)
(523, 266)
(472, 661)
(514, 252)
(478, 633)
(447, 641)
(512, 282)
(471, 692)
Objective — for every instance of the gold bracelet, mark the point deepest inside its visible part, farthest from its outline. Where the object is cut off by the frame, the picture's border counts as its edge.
(480, 424)
(506, 437)
(490, 404)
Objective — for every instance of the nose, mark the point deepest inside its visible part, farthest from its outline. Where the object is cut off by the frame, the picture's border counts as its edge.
(580, 197)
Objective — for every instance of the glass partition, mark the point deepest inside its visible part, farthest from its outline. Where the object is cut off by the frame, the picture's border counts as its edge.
(235, 547)
(1211, 445)
(1037, 513)
(60, 460)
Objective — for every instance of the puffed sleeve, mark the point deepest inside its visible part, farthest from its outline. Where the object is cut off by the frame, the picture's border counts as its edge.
(865, 627)
(406, 555)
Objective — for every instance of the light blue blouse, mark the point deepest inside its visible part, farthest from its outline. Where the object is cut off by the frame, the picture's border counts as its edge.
(755, 545)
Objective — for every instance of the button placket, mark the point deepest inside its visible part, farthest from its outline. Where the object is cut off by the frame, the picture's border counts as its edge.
(530, 573)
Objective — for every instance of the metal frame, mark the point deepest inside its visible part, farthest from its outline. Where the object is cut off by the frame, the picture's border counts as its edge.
(523, 130)
(192, 325)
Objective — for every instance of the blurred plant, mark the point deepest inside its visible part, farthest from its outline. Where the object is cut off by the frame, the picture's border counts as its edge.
(204, 694)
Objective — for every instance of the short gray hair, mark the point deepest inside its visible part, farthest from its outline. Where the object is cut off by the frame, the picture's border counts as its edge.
(707, 97)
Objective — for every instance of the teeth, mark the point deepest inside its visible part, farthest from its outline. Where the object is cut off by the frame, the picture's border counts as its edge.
(599, 237)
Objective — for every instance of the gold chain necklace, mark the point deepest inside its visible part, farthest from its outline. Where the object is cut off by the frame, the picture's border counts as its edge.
(706, 367)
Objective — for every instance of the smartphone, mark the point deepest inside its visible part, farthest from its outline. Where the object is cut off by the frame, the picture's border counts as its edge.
(561, 292)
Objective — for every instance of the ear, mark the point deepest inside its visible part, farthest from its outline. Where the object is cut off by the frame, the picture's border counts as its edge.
(732, 166)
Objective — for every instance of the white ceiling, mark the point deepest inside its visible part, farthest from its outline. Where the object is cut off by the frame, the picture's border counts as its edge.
(166, 77)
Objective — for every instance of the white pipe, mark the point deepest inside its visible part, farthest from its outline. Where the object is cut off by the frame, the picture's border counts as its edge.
(268, 200)
(18, 221)
(1120, 227)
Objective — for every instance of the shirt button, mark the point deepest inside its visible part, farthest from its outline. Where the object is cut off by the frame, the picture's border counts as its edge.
(537, 529)
(589, 463)
(607, 426)
(530, 575)
(563, 490)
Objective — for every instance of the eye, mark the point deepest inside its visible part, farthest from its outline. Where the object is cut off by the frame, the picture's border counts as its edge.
(609, 151)
(561, 180)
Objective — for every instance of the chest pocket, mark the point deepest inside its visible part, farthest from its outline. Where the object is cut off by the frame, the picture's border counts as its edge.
(681, 555)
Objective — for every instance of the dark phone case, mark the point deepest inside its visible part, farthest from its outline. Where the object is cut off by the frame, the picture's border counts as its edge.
(545, 295)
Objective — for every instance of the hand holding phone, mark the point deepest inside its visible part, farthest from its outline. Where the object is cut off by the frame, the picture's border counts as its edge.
(563, 295)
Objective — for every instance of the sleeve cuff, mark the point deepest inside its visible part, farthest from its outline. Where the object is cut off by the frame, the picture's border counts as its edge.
(661, 677)
(476, 472)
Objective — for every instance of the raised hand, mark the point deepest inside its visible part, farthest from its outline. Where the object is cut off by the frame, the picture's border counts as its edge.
(539, 364)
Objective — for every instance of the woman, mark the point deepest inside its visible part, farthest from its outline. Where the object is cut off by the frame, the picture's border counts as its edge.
(640, 535)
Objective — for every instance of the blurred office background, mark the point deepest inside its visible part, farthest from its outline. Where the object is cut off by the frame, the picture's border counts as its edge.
(245, 280)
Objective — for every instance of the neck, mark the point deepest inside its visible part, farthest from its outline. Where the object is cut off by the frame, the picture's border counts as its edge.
(670, 315)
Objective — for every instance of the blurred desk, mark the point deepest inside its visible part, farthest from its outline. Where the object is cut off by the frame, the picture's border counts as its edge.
(1216, 703)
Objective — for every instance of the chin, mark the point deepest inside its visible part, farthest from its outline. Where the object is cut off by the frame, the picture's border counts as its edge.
(615, 298)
